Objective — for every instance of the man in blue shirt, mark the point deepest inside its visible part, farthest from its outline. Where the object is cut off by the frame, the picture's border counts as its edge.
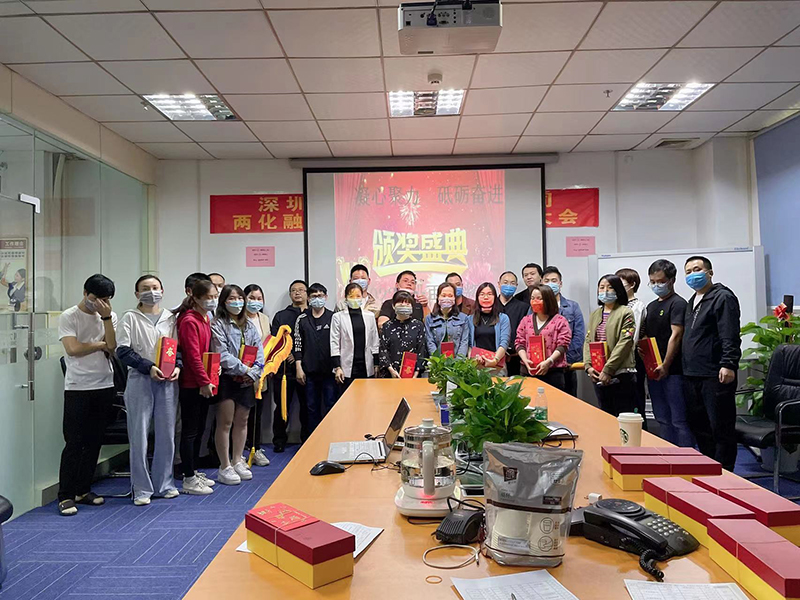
(571, 311)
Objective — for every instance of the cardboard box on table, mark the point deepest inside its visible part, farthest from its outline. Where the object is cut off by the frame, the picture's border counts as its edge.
(656, 490)
(693, 510)
(628, 472)
(608, 451)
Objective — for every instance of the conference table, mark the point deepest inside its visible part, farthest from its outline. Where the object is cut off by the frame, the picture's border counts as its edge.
(392, 566)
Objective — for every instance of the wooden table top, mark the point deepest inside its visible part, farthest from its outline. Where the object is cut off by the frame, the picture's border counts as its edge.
(392, 565)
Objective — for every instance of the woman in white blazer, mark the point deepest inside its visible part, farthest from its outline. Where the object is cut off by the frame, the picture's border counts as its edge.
(354, 339)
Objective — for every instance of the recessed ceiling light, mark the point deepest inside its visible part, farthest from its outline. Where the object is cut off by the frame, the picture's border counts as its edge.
(662, 96)
(425, 104)
(191, 107)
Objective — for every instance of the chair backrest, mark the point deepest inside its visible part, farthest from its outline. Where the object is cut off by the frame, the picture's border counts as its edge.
(783, 383)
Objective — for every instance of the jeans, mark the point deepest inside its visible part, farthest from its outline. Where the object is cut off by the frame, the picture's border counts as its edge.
(194, 410)
(86, 414)
(321, 395)
(279, 426)
(618, 397)
(669, 407)
(148, 401)
(711, 411)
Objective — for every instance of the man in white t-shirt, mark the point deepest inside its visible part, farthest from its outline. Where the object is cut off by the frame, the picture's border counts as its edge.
(87, 333)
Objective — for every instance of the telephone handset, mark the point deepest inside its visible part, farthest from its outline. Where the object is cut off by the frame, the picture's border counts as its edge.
(628, 526)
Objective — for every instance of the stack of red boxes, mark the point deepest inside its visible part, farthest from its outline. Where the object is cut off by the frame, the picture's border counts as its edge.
(609, 451)
(628, 471)
(312, 551)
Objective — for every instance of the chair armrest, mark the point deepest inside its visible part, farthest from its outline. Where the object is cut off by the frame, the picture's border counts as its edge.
(785, 404)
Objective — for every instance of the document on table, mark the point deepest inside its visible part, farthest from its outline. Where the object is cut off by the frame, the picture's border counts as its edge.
(651, 590)
(364, 535)
(533, 585)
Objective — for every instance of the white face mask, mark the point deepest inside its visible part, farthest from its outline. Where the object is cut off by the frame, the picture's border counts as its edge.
(210, 305)
(150, 297)
(90, 304)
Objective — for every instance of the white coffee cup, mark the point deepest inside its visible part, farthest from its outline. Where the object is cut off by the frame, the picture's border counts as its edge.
(630, 429)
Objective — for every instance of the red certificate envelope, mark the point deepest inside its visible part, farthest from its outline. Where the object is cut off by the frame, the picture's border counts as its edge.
(448, 348)
(536, 350)
(487, 354)
(211, 365)
(248, 355)
(166, 355)
(598, 351)
(408, 365)
(650, 355)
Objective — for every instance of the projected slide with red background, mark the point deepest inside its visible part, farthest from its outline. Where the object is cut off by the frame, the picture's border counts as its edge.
(431, 222)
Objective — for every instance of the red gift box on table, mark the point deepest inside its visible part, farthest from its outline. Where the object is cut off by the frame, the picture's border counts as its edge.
(693, 510)
(726, 535)
(717, 483)
(264, 523)
(608, 451)
(689, 466)
(770, 570)
(657, 488)
(777, 513)
(628, 471)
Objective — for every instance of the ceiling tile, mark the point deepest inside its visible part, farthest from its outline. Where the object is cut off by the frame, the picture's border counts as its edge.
(361, 148)
(758, 23)
(160, 76)
(653, 24)
(599, 143)
(507, 70)
(16, 34)
(411, 73)
(529, 27)
(704, 121)
(654, 139)
(201, 4)
(113, 108)
(299, 149)
(578, 98)
(237, 150)
(422, 128)
(740, 96)
(348, 106)
(709, 65)
(761, 119)
(321, 33)
(250, 76)
(317, 3)
(14, 8)
(286, 131)
(68, 79)
(363, 129)
(503, 100)
(176, 151)
(339, 74)
(546, 143)
(44, 7)
(271, 107)
(498, 145)
(389, 37)
(123, 36)
(216, 131)
(493, 125)
(774, 64)
(149, 132)
(793, 39)
(733, 134)
(563, 123)
(422, 147)
(597, 66)
(633, 122)
(237, 34)
(789, 100)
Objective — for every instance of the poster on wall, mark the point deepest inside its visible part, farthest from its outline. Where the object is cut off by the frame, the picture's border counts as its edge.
(256, 213)
(578, 207)
(13, 274)
(430, 222)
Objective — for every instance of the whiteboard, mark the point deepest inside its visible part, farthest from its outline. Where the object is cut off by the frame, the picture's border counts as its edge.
(740, 269)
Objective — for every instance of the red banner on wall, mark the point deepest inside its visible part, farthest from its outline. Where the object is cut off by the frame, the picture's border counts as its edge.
(257, 213)
(572, 208)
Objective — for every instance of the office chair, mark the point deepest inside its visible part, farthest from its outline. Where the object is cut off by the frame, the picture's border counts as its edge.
(781, 421)
(6, 510)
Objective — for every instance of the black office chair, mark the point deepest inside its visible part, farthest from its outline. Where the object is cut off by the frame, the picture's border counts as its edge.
(6, 510)
(781, 421)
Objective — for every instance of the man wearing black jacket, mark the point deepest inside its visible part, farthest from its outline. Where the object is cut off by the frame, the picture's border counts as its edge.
(532, 276)
(711, 352)
(312, 353)
(298, 294)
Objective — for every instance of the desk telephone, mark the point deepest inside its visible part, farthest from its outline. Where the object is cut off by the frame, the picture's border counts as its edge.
(628, 526)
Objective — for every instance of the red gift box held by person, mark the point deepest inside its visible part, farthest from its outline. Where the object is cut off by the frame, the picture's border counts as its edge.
(166, 355)
(408, 366)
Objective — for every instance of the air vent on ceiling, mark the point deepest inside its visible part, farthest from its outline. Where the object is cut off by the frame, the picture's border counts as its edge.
(675, 143)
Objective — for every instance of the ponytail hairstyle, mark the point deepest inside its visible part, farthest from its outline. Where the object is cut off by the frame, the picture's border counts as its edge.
(200, 288)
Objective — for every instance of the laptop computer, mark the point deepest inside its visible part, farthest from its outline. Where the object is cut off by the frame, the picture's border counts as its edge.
(368, 451)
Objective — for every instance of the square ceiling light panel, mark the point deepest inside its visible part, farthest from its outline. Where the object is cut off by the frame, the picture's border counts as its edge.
(191, 107)
(425, 103)
(662, 96)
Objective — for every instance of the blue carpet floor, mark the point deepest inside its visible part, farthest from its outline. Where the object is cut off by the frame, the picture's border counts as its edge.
(120, 551)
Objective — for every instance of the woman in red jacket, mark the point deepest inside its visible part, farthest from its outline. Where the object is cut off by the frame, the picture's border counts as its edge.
(195, 388)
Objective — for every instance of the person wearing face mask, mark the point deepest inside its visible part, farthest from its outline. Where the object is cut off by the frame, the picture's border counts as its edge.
(150, 397)
(545, 321)
(254, 309)
(312, 353)
(465, 305)
(516, 311)
(87, 332)
(360, 274)
(663, 321)
(491, 329)
(298, 294)
(712, 348)
(613, 323)
(406, 280)
(354, 340)
(571, 311)
(446, 323)
(231, 331)
(402, 334)
(532, 276)
(194, 385)
(632, 281)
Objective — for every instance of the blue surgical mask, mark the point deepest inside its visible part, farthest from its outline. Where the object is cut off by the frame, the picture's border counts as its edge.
(555, 287)
(697, 281)
(317, 303)
(660, 289)
(508, 290)
(363, 283)
(234, 306)
(255, 306)
(607, 297)
(459, 291)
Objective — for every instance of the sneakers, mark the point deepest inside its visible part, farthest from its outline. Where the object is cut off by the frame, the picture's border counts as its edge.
(193, 485)
(173, 493)
(142, 501)
(260, 459)
(204, 478)
(229, 476)
(242, 471)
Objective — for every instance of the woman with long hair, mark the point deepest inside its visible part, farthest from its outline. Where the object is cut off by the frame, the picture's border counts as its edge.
(254, 307)
(491, 329)
(446, 323)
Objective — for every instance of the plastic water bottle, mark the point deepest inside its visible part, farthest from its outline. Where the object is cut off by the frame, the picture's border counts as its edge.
(540, 406)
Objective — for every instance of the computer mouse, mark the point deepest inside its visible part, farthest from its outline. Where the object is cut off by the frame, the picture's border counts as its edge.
(327, 467)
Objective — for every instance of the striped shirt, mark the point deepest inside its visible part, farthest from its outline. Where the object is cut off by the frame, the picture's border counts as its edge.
(600, 333)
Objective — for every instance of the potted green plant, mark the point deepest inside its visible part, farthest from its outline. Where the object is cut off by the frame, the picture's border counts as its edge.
(448, 369)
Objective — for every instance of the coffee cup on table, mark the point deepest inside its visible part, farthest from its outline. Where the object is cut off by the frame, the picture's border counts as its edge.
(630, 428)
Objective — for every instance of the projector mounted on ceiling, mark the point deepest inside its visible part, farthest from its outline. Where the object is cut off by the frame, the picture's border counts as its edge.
(449, 26)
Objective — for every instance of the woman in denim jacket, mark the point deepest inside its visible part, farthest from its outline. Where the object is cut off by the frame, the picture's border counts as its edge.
(446, 323)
